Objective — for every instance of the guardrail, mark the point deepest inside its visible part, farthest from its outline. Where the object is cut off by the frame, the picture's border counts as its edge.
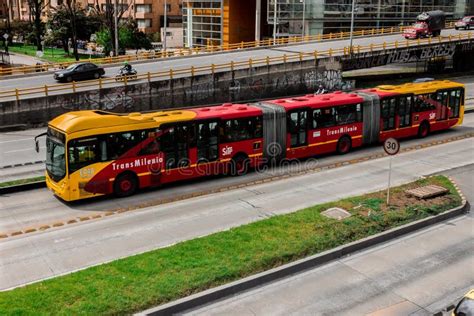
(209, 49)
(73, 87)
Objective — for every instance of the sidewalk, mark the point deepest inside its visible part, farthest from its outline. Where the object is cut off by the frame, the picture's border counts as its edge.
(19, 59)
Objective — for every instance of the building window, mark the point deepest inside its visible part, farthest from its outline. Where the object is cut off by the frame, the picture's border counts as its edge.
(143, 23)
(143, 8)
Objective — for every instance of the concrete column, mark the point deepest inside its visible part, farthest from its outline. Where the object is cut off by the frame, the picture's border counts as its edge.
(258, 16)
(189, 31)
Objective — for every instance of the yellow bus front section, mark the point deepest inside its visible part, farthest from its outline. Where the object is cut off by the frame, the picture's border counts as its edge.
(71, 187)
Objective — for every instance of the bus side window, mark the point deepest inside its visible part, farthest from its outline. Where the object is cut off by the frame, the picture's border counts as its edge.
(328, 117)
(317, 118)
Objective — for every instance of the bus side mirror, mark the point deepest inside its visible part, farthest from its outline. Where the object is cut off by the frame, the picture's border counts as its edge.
(37, 148)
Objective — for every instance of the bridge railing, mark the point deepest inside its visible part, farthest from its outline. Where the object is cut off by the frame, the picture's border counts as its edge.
(207, 49)
(73, 87)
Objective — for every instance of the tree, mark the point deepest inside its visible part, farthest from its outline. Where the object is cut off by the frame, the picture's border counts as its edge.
(36, 8)
(129, 37)
(106, 14)
(64, 23)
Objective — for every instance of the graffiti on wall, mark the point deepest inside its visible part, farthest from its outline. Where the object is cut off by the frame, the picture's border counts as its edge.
(369, 60)
(200, 91)
(115, 100)
(327, 79)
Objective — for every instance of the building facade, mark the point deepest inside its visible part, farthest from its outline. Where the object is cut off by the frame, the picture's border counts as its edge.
(149, 14)
(297, 17)
(221, 22)
(218, 22)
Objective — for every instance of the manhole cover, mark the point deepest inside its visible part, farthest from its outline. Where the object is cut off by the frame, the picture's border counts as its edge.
(428, 191)
(336, 213)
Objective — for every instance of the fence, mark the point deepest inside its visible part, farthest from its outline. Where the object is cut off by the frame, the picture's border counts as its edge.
(210, 49)
(101, 83)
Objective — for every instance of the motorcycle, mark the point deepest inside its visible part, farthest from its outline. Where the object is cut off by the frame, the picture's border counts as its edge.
(124, 73)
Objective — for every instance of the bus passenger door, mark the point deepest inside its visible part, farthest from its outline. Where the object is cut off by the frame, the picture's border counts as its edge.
(388, 116)
(207, 141)
(442, 98)
(298, 128)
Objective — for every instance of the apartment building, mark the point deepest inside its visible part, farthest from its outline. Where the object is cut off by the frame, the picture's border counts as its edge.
(149, 14)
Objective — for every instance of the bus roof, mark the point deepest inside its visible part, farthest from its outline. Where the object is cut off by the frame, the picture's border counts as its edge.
(72, 122)
(416, 87)
(318, 100)
(226, 111)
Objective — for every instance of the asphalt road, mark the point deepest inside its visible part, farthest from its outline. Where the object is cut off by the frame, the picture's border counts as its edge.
(29, 209)
(205, 60)
(35, 256)
(419, 274)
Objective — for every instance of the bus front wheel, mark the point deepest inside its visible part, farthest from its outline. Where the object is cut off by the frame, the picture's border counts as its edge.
(344, 145)
(125, 185)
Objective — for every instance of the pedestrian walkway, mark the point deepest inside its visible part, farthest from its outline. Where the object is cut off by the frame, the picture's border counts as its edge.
(19, 59)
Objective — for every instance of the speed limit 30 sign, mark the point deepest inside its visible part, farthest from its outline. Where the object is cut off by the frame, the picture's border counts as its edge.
(391, 146)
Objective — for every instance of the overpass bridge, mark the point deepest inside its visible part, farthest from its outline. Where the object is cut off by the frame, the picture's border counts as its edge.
(235, 76)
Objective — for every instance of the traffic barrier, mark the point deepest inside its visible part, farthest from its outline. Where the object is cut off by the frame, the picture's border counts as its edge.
(46, 90)
(205, 49)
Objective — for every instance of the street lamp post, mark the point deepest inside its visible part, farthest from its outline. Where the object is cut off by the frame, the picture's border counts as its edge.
(164, 26)
(352, 26)
(116, 28)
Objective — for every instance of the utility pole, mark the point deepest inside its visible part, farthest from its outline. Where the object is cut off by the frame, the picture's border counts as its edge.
(164, 26)
(275, 22)
(116, 28)
(352, 26)
(303, 33)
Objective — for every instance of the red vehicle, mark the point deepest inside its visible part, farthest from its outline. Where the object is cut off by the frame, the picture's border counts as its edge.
(92, 153)
(427, 24)
(466, 23)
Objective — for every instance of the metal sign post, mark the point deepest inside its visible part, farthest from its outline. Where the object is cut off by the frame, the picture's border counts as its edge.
(391, 147)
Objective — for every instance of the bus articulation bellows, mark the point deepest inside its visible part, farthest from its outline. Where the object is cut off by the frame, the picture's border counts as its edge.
(92, 153)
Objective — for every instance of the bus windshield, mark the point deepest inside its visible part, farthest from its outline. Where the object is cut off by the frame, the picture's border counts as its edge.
(55, 158)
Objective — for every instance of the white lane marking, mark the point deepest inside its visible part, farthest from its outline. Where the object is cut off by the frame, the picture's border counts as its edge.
(16, 140)
(18, 150)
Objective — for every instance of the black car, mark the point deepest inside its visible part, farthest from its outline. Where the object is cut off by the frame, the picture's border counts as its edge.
(81, 71)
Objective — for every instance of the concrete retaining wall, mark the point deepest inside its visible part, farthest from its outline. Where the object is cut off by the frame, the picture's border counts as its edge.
(261, 82)
(235, 86)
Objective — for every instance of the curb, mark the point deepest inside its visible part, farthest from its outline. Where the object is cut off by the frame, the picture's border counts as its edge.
(248, 283)
(23, 164)
(16, 127)
(23, 187)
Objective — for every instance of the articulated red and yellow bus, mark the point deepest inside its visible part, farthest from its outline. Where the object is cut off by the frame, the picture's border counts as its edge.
(93, 153)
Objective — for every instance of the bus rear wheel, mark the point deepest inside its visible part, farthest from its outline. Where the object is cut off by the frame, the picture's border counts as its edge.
(125, 185)
(423, 130)
(344, 145)
(239, 166)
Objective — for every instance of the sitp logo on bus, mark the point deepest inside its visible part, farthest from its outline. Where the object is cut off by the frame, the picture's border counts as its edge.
(139, 162)
(227, 151)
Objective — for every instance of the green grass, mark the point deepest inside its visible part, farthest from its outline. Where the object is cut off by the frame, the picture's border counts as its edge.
(56, 55)
(138, 282)
(21, 181)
